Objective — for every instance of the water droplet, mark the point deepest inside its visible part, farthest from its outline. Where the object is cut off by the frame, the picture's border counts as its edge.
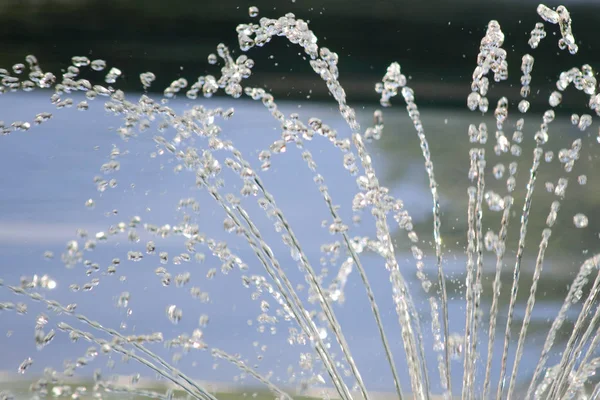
(211, 273)
(27, 86)
(203, 321)
(278, 147)
(164, 257)
(182, 279)
(322, 333)
(24, 365)
(80, 61)
(517, 136)
(229, 225)
(112, 75)
(42, 117)
(515, 150)
(547, 14)
(541, 137)
(98, 65)
(123, 301)
(584, 122)
(18, 68)
(455, 344)
(147, 78)
(574, 119)
(264, 306)
(495, 201)
(490, 240)
(41, 321)
(555, 99)
(135, 256)
(561, 187)
(21, 308)
(174, 313)
(473, 101)
(253, 11)
(580, 220)
(523, 106)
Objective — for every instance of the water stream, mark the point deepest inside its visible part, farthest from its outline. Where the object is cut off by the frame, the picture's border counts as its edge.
(217, 245)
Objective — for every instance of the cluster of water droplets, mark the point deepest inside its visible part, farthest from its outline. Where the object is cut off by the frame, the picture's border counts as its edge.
(317, 330)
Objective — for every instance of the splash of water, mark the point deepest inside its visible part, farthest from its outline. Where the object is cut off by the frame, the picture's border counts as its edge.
(321, 329)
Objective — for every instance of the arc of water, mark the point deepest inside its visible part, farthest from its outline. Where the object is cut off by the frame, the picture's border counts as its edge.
(295, 305)
(194, 389)
(596, 392)
(309, 326)
(305, 324)
(408, 96)
(592, 347)
(563, 370)
(371, 297)
(404, 301)
(478, 270)
(491, 57)
(583, 365)
(370, 294)
(335, 326)
(114, 389)
(121, 350)
(312, 279)
(578, 282)
(537, 155)
(242, 365)
(469, 288)
(278, 276)
(327, 69)
(500, 249)
(404, 304)
(473, 279)
(539, 263)
(300, 316)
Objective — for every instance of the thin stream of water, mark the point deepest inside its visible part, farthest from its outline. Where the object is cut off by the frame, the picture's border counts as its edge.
(580, 280)
(563, 370)
(537, 155)
(530, 303)
(499, 248)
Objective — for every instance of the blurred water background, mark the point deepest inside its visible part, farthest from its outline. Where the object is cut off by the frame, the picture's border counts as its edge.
(47, 172)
